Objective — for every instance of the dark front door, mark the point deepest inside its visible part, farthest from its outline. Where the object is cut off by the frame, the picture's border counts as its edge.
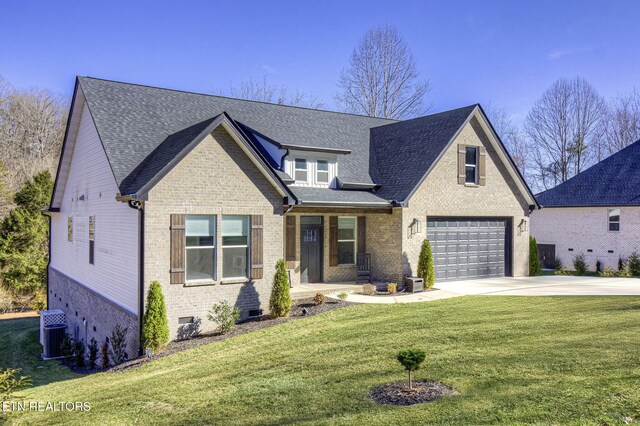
(547, 255)
(311, 249)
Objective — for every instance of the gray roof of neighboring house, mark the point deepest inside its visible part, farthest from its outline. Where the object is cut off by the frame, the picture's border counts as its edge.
(615, 181)
(145, 129)
(405, 151)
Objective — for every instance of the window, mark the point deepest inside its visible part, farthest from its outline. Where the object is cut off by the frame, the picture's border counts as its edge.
(201, 243)
(235, 246)
(614, 220)
(300, 172)
(322, 171)
(92, 237)
(471, 165)
(70, 229)
(346, 240)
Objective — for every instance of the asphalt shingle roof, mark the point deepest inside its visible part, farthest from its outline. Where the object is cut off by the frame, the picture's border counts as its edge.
(615, 181)
(404, 151)
(309, 195)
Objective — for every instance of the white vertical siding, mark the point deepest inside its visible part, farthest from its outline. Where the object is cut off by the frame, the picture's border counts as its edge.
(114, 273)
(312, 158)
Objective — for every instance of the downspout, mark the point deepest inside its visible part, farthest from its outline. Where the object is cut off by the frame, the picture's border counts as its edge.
(139, 205)
(46, 213)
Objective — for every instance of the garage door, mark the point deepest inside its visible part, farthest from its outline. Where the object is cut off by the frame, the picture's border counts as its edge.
(468, 248)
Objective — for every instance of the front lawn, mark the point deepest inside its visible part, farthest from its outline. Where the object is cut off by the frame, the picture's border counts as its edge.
(549, 360)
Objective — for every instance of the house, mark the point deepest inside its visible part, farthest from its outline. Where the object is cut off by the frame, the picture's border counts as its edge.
(595, 213)
(205, 193)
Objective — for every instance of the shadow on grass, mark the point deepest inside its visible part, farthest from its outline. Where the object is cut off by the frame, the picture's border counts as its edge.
(20, 348)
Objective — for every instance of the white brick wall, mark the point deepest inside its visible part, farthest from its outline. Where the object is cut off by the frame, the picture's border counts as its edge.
(584, 229)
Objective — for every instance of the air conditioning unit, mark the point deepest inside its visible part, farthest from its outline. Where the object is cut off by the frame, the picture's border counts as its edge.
(414, 284)
(52, 330)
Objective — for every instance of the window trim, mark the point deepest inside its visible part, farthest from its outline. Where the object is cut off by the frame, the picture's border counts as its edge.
(214, 247)
(474, 165)
(355, 240)
(610, 222)
(247, 275)
(296, 169)
(318, 171)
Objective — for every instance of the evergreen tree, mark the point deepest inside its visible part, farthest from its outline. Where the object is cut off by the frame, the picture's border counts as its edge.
(280, 301)
(155, 326)
(534, 262)
(426, 268)
(24, 238)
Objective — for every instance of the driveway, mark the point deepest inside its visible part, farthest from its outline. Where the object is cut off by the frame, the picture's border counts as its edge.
(547, 285)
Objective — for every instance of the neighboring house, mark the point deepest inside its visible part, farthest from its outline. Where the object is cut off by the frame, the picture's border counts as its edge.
(205, 193)
(595, 213)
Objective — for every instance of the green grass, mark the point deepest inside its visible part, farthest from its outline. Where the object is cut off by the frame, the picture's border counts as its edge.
(514, 360)
(20, 348)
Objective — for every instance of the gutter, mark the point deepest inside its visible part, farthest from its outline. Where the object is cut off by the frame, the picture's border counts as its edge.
(139, 206)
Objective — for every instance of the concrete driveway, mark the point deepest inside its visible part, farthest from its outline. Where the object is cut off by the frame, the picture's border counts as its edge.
(548, 285)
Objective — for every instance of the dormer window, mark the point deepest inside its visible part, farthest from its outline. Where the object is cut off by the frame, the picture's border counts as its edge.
(300, 172)
(322, 172)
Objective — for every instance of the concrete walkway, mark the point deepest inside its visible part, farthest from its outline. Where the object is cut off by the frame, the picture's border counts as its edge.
(550, 285)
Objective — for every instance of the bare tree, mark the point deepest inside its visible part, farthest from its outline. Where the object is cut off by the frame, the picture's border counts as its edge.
(382, 79)
(263, 91)
(622, 126)
(512, 137)
(562, 126)
(32, 125)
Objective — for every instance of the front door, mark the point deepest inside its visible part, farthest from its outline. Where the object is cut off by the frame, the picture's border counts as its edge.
(547, 255)
(311, 249)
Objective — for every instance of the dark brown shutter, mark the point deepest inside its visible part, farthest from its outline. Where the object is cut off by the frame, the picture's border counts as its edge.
(256, 246)
(333, 241)
(362, 234)
(462, 150)
(290, 241)
(482, 166)
(177, 242)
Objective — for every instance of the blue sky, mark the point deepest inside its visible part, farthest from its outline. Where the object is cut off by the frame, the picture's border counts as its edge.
(500, 52)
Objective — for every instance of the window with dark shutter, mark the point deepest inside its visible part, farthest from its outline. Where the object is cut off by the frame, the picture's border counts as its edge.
(482, 166)
(333, 241)
(177, 249)
(462, 151)
(290, 243)
(257, 229)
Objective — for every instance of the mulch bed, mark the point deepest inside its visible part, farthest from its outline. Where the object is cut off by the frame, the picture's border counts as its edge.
(400, 394)
(241, 328)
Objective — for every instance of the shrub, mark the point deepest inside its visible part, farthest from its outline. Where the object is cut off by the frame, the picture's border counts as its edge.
(557, 264)
(368, 289)
(39, 302)
(118, 345)
(561, 271)
(580, 264)
(426, 268)
(93, 353)
(11, 383)
(66, 346)
(598, 266)
(608, 272)
(280, 300)
(78, 353)
(392, 288)
(155, 326)
(633, 263)
(224, 315)
(621, 264)
(534, 262)
(343, 296)
(104, 355)
(411, 360)
(319, 298)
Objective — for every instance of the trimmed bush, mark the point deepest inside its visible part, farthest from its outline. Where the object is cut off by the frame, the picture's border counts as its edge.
(224, 315)
(580, 264)
(78, 353)
(155, 325)
(118, 345)
(557, 264)
(608, 272)
(369, 289)
(426, 268)
(93, 353)
(633, 263)
(280, 300)
(319, 298)
(411, 360)
(621, 264)
(534, 262)
(66, 346)
(392, 288)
